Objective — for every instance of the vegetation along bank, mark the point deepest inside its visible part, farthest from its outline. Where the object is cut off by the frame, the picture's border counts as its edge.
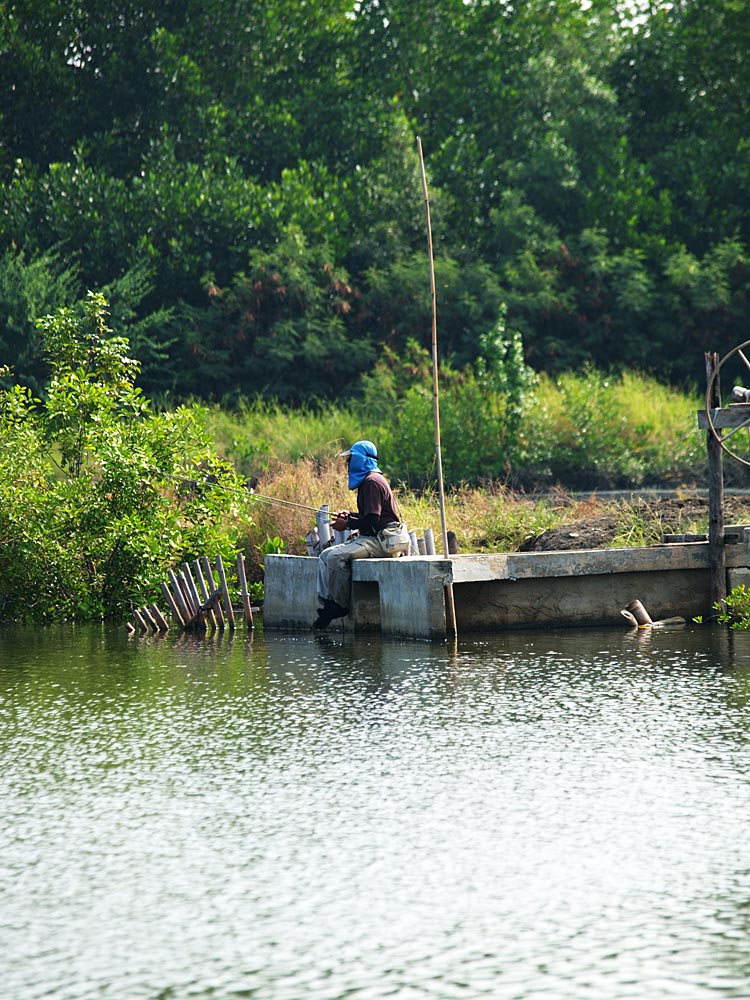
(101, 491)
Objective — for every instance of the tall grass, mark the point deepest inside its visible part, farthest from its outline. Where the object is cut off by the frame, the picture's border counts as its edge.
(661, 426)
(257, 436)
(594, 432)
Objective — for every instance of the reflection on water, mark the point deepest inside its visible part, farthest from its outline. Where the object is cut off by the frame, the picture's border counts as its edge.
(534, 815)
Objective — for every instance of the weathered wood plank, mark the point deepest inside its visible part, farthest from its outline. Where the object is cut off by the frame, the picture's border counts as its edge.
(726, 417)
(170, 599)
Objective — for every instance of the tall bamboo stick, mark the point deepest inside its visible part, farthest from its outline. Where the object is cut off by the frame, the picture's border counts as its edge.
(450, 604)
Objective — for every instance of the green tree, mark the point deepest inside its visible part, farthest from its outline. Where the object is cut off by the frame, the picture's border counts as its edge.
(99, 496)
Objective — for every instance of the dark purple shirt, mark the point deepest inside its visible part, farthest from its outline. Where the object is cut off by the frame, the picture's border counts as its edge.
(376, 505)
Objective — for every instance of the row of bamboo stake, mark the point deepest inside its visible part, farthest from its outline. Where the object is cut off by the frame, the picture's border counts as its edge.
(195, 597)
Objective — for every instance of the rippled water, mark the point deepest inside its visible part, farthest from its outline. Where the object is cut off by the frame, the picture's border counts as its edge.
(557, 815)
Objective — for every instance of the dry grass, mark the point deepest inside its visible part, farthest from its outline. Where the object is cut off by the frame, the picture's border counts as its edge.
(308, 483)
(493, 519)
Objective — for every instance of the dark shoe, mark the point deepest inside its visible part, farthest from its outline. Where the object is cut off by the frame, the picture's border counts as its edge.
(328, 612)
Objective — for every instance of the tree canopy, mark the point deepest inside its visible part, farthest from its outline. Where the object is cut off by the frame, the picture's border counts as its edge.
(242, 182)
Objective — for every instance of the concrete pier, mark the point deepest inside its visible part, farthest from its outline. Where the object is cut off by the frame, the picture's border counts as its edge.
(406, 597)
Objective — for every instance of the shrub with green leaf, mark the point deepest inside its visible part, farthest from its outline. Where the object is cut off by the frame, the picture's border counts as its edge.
(735, 609)
(481, 407)
(100, 495)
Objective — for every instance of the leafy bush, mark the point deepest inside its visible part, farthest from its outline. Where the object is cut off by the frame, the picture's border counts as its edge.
(98, 494)
(735, 609)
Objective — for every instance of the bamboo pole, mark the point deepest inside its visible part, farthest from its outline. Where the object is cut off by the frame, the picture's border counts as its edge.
(225, 591)
(449, 602)
(211, 583)
(170, 599)
(242, 577)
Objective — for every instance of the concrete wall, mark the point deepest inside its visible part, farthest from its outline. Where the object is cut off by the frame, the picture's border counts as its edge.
(406, 596)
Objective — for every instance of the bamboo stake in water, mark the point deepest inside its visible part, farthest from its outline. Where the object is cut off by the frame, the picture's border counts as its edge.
(225, 591)
(242, 577)
(169, 597)
(211, 582)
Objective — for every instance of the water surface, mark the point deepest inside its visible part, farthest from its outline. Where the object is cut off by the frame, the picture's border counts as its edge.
(283, 817)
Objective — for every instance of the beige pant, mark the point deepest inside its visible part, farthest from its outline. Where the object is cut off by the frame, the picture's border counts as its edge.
(335, 563)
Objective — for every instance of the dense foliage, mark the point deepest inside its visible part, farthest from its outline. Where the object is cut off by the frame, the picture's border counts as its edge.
(99, 494)
(241, 180)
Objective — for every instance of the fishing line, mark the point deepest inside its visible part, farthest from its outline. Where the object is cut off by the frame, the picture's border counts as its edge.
(246, 490)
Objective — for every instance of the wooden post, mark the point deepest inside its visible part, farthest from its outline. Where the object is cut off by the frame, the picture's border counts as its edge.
(716, 550)
(185, 612)
(149, 618)
(242, 577)
(159, 618)
(143, 624)
(195, 597)
(225, 591)
(170, 599)
(211, 583)
(203, 591)
(187, 597)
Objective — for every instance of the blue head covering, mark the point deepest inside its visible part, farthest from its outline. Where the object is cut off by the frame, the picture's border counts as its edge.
(363, 459)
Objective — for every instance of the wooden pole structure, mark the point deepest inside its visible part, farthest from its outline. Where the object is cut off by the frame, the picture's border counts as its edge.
(172, 602)
(242, 578)
(716, 550)
(185, 612)
(203, 591)
(229, 611)
(195, 597)
(159, 618)
(449, 602)
(211, 583)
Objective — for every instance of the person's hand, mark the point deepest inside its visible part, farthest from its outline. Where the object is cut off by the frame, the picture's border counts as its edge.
(339, 522)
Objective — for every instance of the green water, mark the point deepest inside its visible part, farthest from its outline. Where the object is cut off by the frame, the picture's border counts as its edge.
(283, 817)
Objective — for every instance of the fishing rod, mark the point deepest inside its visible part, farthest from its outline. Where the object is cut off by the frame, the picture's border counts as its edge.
(290, 503)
